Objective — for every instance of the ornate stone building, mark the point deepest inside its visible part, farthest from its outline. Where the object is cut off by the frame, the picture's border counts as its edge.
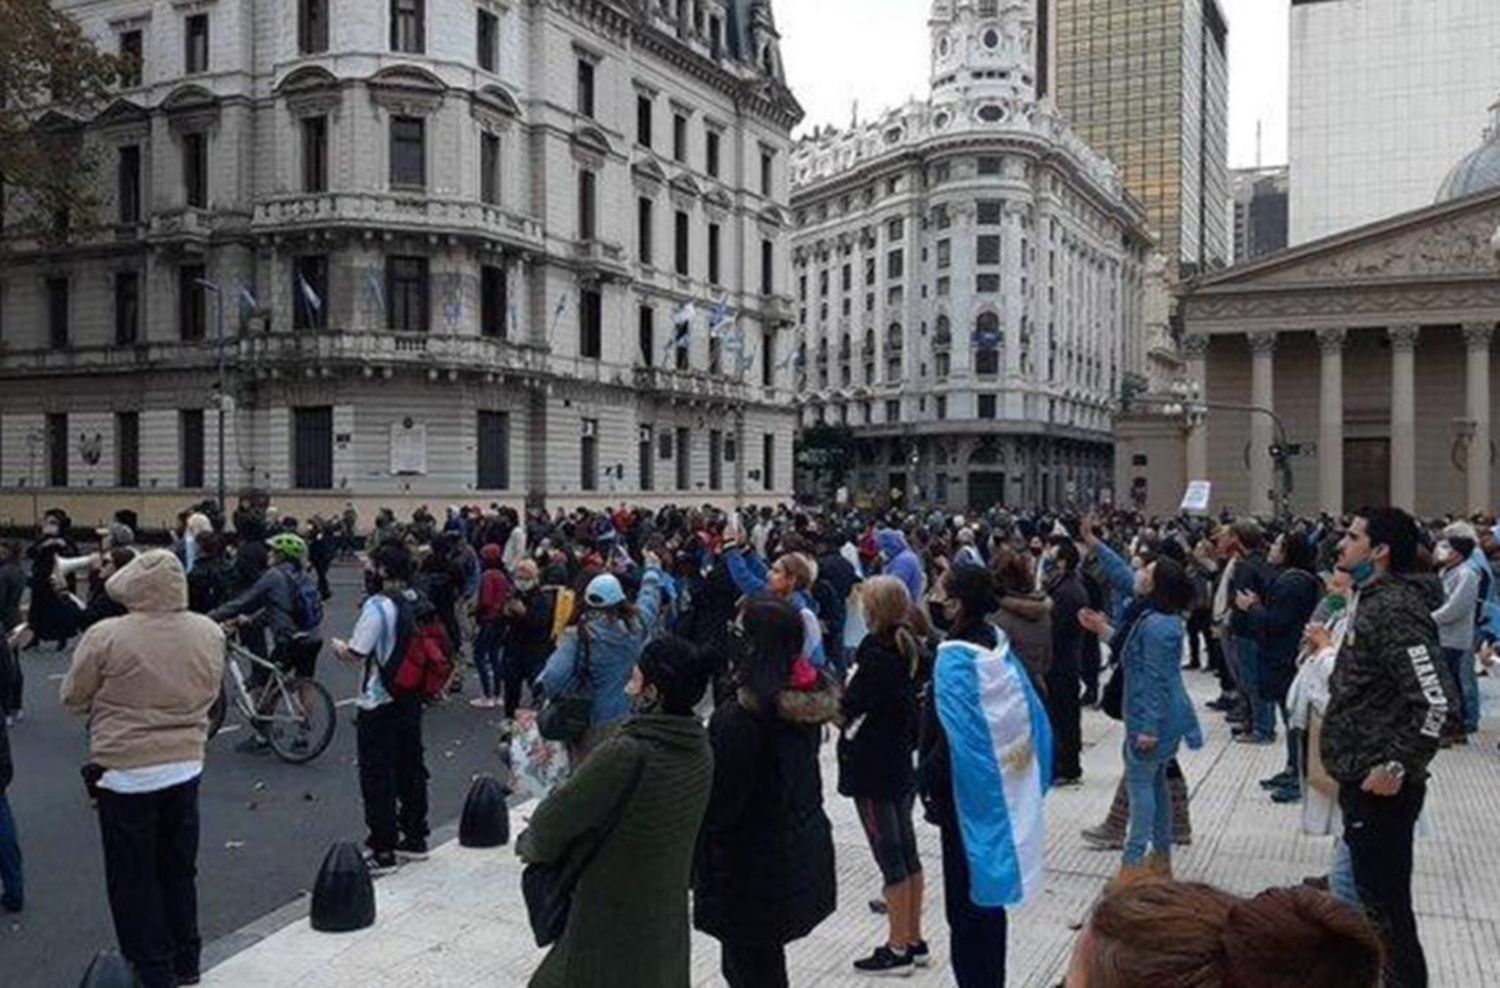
(968, 281)
(456, 243)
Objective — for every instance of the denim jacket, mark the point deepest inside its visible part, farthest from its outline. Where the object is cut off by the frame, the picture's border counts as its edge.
(1156, 701)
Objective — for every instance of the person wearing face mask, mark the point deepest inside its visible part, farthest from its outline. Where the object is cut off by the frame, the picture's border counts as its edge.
(635, 808)
(1390, 700)
(528, 621)
(1455, 618)
(1157, 711)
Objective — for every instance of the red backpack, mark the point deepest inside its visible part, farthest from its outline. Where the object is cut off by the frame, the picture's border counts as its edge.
(422, 644)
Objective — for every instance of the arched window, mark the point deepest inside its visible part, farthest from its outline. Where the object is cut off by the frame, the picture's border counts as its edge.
(989, 342)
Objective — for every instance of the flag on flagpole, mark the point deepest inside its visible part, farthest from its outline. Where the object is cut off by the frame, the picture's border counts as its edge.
(310, 299)
(684, 313)
(510, 306)
(718, 318)
(376, 290)
(247, 299)
(453, 305)
(1000, 750)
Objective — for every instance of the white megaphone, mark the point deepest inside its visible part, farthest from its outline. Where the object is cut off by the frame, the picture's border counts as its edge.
(68, 565)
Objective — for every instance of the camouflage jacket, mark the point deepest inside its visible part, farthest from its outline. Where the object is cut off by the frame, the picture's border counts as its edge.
(1391, 694)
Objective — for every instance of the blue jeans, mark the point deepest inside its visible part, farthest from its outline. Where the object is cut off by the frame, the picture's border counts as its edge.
(1262, 711)
(10, 859)
(1341, 877)
(1150, 802)
(487, 658)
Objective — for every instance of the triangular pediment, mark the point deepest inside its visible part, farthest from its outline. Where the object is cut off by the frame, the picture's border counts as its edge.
(1449, 240)
(122, 111)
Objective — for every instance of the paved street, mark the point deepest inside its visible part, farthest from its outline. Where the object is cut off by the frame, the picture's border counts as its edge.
(266, 825)
(458, 921)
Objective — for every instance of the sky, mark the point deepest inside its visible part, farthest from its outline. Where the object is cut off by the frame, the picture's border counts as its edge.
(875, 52)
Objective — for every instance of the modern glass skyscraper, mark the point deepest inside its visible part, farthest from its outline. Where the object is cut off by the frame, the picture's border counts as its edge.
(1146, 82)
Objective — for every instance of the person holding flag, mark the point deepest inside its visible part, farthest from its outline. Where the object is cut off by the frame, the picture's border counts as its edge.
(984, 765)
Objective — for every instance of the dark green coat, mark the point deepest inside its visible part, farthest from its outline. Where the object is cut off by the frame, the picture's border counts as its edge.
(629, 924)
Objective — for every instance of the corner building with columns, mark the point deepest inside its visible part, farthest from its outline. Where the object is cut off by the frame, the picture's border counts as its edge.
(1373, 347)
(449, 237)
(968, 278)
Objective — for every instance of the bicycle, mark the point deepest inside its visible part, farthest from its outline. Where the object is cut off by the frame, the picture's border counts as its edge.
(296, 715)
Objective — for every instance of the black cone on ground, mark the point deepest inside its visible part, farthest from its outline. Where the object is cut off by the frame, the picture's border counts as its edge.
(109, 970)
(486, 818)
(344, 896)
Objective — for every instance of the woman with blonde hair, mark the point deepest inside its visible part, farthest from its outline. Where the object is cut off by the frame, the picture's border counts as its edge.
(879, 710)
(790, 578)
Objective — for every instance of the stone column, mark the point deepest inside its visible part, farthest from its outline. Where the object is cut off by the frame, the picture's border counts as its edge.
(1477, 338)
(1331, 422)
(1195, 354)
(1262, 429)
(1404, 416)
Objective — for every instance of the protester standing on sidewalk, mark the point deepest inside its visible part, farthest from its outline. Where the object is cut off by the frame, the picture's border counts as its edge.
(652, 778)
(392, 772)
(765, 874)
(1455, 618)
(1391, 698)
(1064, 679)
(146, 682)
(495, 590)
(879, 713)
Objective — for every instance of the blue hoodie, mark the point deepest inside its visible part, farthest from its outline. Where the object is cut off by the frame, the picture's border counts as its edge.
(901, 562)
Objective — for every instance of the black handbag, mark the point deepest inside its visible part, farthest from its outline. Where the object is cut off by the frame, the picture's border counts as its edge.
(1112, 698)
(548, 888)
(568, 716)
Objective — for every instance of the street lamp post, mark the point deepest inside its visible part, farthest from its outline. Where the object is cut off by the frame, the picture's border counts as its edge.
(1190, 404)
(223, 393)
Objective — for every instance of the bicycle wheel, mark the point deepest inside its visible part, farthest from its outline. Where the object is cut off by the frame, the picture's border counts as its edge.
(300, 725)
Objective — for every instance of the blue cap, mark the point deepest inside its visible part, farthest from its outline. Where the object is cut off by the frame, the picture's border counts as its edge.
(604, 591)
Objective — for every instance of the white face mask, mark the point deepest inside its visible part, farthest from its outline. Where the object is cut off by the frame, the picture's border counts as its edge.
(1444, 553)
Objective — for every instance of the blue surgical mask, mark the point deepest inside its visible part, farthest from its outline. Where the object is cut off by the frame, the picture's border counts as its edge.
(1362, 573)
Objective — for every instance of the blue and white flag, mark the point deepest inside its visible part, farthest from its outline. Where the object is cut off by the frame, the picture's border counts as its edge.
(310, 297)
(248, 302)
(1000, 750)
(987, 340)
(718, 318)
(376, 289)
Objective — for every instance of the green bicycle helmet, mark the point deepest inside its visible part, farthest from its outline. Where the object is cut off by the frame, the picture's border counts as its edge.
(289, 545)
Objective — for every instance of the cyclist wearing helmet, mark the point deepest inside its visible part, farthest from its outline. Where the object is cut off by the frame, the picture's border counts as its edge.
(277, 593)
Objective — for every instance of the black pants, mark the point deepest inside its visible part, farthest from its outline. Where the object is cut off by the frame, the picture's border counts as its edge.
(976, 934)
(754, 965)
(150, 870)
(392, 774)
(1218, 663)
(1064, 710)
(1089, 664)
(1199, 629)
(15, 696)
(1378, 830)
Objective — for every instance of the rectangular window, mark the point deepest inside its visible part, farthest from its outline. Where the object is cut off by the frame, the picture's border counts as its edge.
(768, 462)
(489, 168)
(684, 459)
(127, 449)
(682, 243)
(989, 166)
(987, 284)
(713, 253)
(715, 460)
(942, 407)
(767, 359)
(715, 355)
(310, 292)
(987, 250)
(895, 229)
(944, 254)
(646, 336)
(57, 450)
(192, 303)
(406, 294)
(895, 263)
(893, 410)
(768, 268)
(711, 153)
(488, 34)
(131, 52)
(195, 169)
(312, 26)
(587, 204)
(591, 324)
(585, 87)
(987, 406)
(494, 451)
(767, 172)
(682, 351)
(315, 154)
(190, 447)
(128, 182)
(846, 277)
(127, 308)
(408, 152)
(195, 44)
(493, 302)
(679, 137)
(588, 459)
(869, 271)
(941, 217)
(57, 312)
(645, 458)
(643, 227)
(990, 211)
(312, 448)
(643, 108)
(409, 26)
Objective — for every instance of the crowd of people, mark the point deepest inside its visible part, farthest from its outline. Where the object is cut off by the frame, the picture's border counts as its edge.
(693, 662)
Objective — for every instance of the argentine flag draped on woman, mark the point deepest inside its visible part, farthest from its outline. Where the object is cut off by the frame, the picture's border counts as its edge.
(1000, 747)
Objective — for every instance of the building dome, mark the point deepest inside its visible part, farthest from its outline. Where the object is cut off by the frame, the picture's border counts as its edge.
(1479, 171)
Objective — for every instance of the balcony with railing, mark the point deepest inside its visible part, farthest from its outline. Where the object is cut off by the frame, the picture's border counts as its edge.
(689, 385)
(377, 350)
(392, 211)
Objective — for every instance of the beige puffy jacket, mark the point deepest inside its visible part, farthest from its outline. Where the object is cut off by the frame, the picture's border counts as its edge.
(147, 680)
